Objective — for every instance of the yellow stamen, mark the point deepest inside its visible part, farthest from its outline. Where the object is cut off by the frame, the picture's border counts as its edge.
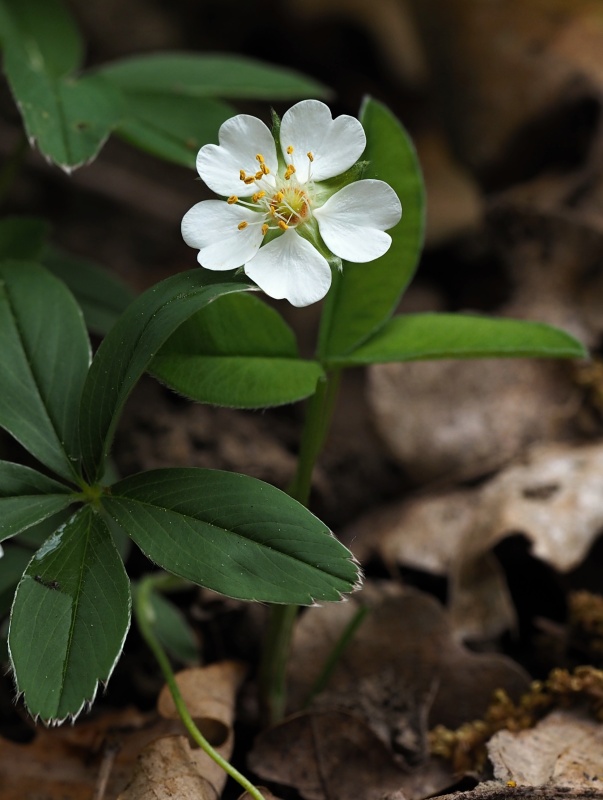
(289, 172)
(310, 156)
(272, 211)
(265, 227)
(283, 225)
(232, 199)
(259, 175)
(260, 158)
(250, 180)
(257, 196)
(242, 174)
(279, 197)
(265, 170)
(290, 150)
(242, 225)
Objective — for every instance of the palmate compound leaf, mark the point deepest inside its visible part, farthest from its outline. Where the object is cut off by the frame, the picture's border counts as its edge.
(210, 76)
(129, 348)
(69, 618)
(44, 28)
(69, 117)
(28, 497)
(174, 102)
(45, 358)
(101, 296)
(364, 296)
(233, 534)
(416, 337)
(236, 352)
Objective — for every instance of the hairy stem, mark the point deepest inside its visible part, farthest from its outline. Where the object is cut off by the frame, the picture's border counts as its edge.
(144, 617)
(273, 693)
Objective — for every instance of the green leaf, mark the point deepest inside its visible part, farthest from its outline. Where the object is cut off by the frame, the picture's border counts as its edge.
(22, 237)
(172, 629)
(69, 117)
(101, 296)
(27, 497)
(415, 337)
(69, 619)
(171, 126)
(236, 352)
(35, 536)
(210, 76)
(364, 296)
(45, 30)
(130, 346)
(233, 534)
(45, 358)
(12, 565)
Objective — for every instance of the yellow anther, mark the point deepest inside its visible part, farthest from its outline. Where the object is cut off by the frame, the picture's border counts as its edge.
(279, 196)
(259, 175)
(272, 211)
(242, 175)
(257, 196)
(232, 199)
(265, 227)
(283, 225)
(289, 172)
(260, 158)
(242, 225)
(265, 170)
(310, 155)
(251, 179)
(289, 150)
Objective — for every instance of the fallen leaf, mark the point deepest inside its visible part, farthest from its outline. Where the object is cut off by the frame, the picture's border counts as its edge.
(454, 203)
(464, 419)
(553, 496)
(563, 750)
(501, 70)
(170, 766)
(324, 755)
(66, 761)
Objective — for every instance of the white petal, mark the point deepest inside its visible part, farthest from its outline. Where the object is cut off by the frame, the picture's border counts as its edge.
(241, 139)
(335, 144)
(211, 226)
(352, 221)
(290, 267)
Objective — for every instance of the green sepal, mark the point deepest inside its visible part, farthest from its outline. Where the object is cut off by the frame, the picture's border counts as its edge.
(351, 175)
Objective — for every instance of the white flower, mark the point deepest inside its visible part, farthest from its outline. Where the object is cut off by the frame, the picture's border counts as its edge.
(281, 221)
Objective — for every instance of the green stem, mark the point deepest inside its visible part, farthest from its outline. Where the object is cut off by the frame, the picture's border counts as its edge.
(11, 166)
(144, 617)
(273, 668)
(336, 653)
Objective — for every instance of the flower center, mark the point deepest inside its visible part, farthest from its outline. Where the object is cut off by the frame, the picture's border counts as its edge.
(291, 205)
(283, 202)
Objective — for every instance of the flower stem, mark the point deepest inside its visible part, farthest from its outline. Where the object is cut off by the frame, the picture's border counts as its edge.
(272, 678)
(144, 617)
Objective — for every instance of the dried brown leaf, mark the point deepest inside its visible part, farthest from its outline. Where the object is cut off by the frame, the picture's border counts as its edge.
(403, 670)
(564, 749)
(456, 420)
(327, 754)
(170, 766)
(553, 496)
